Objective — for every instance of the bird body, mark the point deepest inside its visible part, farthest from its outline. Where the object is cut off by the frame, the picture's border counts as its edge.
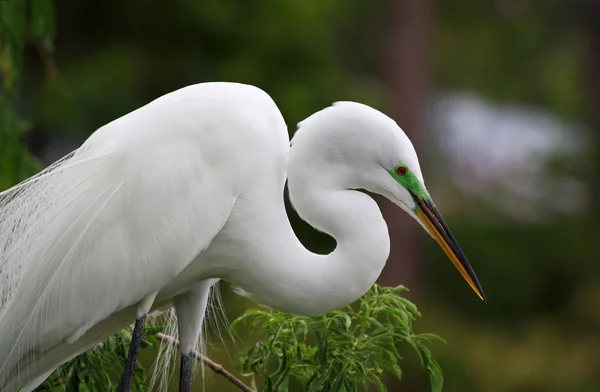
(176, 159)
(158, 205)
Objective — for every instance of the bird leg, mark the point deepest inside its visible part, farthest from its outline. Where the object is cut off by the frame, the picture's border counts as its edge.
(190, 307)
(134, 349)
(185, 373)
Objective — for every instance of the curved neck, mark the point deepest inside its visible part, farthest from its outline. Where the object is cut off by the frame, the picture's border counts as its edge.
(290, 278)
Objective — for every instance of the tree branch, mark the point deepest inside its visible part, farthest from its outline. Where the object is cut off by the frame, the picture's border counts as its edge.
(215, 367)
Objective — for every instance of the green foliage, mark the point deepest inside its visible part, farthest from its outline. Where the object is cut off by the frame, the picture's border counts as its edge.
(99, 369)
(15, 162)
(344, 350)
(21, 23)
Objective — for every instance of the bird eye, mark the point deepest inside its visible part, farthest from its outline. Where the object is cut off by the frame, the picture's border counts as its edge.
(401, 170)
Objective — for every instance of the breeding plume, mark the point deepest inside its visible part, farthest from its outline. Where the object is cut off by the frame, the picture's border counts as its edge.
(159, 204)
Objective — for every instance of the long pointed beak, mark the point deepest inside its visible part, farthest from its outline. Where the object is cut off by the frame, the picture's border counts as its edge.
(430, 217)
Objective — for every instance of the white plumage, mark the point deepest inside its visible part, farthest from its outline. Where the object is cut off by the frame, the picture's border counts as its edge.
(160, 204)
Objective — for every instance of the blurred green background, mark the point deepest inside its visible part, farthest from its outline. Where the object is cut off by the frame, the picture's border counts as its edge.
(501, 98)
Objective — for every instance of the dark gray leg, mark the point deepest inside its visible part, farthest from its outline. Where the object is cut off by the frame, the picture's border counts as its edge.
(190, 308)
(185, 374)
(134, 349)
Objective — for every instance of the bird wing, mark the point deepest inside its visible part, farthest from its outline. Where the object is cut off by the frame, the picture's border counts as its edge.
(98, 232)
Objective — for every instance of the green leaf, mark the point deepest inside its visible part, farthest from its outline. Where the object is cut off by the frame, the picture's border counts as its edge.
(350, 385)
(436, 376)
(379, 385)
(282, 366)
(268, 384)
(338, 382)
(322, 345)
(430, 337)
(251, 328)
(150, 331)
(391, 367)
(284, 387)
(317, 383)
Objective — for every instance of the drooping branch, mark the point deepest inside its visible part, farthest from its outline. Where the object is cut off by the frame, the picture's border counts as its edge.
(215, 367)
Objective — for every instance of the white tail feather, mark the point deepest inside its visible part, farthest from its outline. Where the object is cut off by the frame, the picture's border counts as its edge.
(24, 211)
(162, 371)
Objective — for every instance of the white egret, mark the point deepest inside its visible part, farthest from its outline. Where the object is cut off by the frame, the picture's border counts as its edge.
(159, 204)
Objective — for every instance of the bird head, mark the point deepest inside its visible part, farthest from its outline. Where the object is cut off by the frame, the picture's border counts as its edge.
(363, 148)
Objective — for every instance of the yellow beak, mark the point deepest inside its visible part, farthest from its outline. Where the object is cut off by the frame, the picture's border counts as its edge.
(430, 217)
